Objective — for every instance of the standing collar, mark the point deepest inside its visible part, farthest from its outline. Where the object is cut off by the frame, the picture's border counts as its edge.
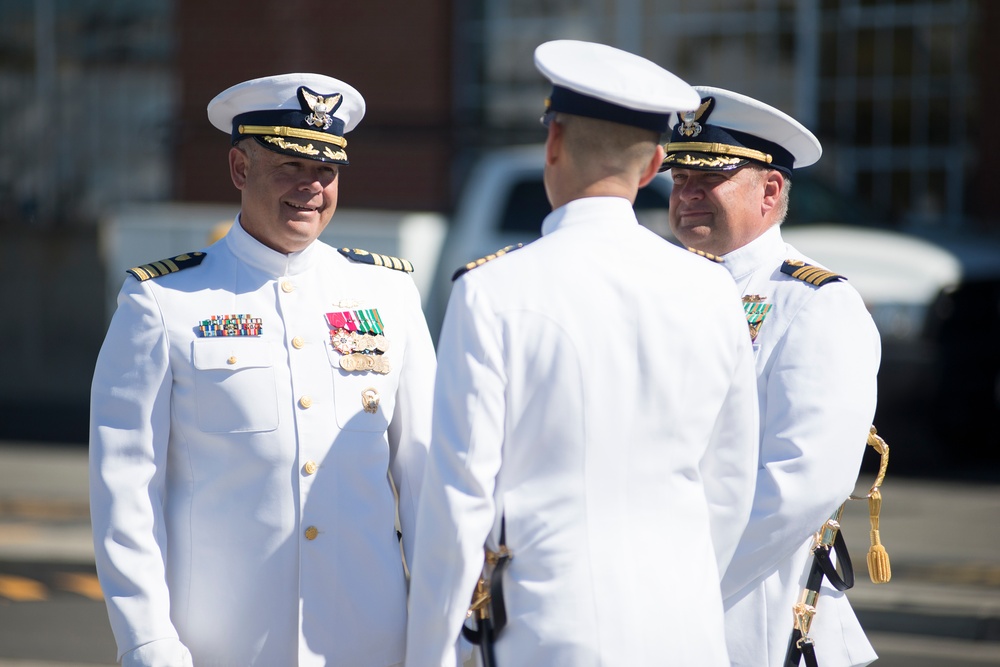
(253, 252)
(589, 209)
(763, 249)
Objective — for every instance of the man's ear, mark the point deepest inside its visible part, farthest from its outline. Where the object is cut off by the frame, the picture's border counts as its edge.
(239, 162)
(774, 183)
(653, 168)
(554, 142)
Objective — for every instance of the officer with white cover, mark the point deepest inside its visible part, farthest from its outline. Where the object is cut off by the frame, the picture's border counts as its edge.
(249, 404)
(594, 408)
(817, 353)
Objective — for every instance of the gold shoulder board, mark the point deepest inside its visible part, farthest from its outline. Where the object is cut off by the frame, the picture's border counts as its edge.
(813, 275)
(707, 255)
(165, 266)
(462, 270)
(388, 261)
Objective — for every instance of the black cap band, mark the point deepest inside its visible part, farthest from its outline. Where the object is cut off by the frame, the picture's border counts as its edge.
(285, 118)
(568, 101)
(781, 159)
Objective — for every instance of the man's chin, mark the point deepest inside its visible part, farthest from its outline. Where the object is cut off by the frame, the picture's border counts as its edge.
(306, 227)
(694, 237)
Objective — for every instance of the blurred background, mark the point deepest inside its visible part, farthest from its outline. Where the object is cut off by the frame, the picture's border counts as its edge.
(103, 133)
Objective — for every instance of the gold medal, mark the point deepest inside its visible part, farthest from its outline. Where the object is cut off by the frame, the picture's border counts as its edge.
(348, 363)
(381, 343)
(365, 342)
(343, 341)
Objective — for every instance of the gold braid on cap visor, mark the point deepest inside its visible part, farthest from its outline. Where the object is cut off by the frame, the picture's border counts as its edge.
(279, 131)
(716, 149)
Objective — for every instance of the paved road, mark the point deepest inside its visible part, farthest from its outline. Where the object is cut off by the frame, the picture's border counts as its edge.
(941, 609)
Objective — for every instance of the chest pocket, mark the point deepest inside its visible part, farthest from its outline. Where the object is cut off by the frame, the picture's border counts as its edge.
(234, 385)
(353, 392)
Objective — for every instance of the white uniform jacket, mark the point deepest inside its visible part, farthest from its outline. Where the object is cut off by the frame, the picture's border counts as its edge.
(595, 389)
(239, 490)
(817, 355)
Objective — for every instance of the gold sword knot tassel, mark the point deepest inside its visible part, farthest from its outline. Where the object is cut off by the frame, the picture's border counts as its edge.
(879, 568)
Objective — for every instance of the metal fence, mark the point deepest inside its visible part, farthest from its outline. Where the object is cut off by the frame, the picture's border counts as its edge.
(87, 101)
(886, 84)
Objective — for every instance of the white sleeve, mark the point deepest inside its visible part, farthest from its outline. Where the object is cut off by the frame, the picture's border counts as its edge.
(410, 429)
(821, 394)
(730, 462)
(457, 509)
(129, 432)
(160, 653)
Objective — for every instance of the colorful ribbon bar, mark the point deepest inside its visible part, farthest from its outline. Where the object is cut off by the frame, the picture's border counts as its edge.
(756, 312)
(230, 325)
(363, 321)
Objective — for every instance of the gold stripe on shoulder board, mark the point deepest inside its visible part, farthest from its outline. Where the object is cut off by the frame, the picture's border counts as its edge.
(462, 270)
(707, 255)
(376, 259)
(165, 266)
(813, 275)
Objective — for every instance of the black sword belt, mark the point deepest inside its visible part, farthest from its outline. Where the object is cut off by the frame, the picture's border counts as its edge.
(487, 601)
(800, 644)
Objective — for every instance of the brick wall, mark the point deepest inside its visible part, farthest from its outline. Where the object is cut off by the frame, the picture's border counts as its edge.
(397, 54)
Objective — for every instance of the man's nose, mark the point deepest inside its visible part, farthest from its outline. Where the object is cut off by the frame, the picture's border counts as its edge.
(312, 182)
(688, 190)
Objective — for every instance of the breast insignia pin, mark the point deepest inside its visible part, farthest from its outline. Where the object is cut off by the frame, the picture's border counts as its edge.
(756, 310)
(370, 400)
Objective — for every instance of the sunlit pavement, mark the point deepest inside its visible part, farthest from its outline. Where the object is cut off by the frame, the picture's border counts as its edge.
(941, 608)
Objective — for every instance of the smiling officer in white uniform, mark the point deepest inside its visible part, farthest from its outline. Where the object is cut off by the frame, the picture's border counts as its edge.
(249, 404)
(817, 354)
(595, 396)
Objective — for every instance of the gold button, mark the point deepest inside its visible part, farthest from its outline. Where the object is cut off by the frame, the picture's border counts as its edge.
(231, 360)
(287, 286)
(297, 342)
(310, 467)
(306, 402)
(311, 532)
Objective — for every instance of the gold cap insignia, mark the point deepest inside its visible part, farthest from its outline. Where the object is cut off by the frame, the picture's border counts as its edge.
(322, 107)
(690, 127)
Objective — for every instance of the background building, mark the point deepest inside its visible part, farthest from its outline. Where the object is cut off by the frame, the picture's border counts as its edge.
(103, 103)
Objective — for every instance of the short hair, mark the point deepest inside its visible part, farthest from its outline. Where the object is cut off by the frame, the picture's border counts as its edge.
(781, 208)
(604, 148)
(249, 145)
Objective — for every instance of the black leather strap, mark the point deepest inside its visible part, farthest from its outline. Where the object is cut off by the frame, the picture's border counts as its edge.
(497, 616)
(830, 570)
(799, 648)
(473, 635)
(808, 652)
(498, 612)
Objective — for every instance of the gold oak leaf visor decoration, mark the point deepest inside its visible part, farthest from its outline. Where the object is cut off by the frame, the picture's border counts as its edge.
(313, 131)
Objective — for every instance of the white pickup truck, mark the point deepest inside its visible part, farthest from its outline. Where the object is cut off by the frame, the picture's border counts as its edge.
(503, 202)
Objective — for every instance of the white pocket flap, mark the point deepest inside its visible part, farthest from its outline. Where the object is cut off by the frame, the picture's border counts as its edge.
(231, 353)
